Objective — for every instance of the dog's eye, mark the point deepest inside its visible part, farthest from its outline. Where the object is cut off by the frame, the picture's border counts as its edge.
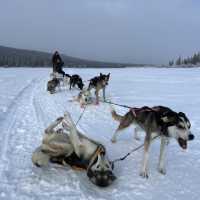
(107, 166)
(180, 126)
(189, 125)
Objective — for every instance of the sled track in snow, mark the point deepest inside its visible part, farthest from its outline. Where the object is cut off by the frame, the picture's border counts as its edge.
(44, 107)
(14, 115)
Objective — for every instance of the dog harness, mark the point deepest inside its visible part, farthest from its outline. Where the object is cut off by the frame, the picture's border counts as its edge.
(77, 163)
(163, 125)
(137, 111)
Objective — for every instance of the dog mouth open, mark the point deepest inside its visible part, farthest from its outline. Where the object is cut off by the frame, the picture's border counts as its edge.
(182, 143)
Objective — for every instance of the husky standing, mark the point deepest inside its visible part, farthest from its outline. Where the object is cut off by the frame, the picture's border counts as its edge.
(156, 121)
(68, 146)
(98, 83)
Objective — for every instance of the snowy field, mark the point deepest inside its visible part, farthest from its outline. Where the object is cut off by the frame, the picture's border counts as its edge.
(26, 109)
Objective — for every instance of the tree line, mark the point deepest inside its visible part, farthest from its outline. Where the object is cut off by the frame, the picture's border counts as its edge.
(194, 59)
(12, 57)
(19, 61)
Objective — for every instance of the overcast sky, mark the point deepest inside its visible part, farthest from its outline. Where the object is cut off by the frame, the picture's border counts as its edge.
(137, 31)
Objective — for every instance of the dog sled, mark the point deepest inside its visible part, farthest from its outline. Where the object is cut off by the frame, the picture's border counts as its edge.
(57, 82)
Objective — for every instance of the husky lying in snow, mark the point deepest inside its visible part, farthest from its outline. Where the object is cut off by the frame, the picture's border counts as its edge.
(68, 146)
(84, 98)
(98, 83)
(156, 121)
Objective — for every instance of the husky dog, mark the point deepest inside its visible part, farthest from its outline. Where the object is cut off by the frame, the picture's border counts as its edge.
(84, 98)
(156, 121)
(52, 85)
(68, 146)
(76, 80)
(98, 83)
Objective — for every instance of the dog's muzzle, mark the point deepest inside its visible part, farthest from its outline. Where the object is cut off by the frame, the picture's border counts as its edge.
(100, 171)
(183, 142)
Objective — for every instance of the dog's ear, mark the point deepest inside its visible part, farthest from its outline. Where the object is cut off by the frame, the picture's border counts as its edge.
(108, 75)
(181, 114)
(101, 74)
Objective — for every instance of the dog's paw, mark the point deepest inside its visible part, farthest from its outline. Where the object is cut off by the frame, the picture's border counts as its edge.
(162, 170)
(67, 114)
(144, 174)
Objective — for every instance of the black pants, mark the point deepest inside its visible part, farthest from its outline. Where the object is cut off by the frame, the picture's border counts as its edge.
(59, 69)
(61, 72)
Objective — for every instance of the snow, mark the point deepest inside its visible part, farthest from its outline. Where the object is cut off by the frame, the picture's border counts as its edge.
(26, 109)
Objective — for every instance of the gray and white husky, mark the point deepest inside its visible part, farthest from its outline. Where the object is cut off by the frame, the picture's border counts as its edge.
(156, 121)
(99, 83)
(68, 146)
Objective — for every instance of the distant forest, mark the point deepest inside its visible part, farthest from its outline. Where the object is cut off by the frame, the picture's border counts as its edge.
(12, 57)
(194, 60)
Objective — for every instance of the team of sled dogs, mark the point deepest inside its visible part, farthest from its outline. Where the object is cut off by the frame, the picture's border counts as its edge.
(84, 97)
(64, 144)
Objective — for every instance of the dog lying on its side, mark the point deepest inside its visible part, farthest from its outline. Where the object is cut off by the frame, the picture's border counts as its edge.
(68, 146)
(98, 83)
(76, 80)
(156, 121)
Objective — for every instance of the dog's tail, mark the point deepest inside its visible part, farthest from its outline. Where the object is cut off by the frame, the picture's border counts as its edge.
(114, 114)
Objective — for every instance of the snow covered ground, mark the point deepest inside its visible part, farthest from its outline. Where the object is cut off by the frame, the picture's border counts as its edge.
(26, 109)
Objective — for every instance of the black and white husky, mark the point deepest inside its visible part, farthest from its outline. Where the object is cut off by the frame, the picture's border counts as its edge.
(68, 146)
(156, 121)
(99, 83)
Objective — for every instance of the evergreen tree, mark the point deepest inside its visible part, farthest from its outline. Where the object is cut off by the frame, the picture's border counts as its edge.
(178, 61)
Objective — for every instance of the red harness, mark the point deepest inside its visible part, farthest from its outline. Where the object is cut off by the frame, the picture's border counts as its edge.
(137, 111)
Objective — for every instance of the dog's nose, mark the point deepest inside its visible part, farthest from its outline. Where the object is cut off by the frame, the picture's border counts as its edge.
(191, 137)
